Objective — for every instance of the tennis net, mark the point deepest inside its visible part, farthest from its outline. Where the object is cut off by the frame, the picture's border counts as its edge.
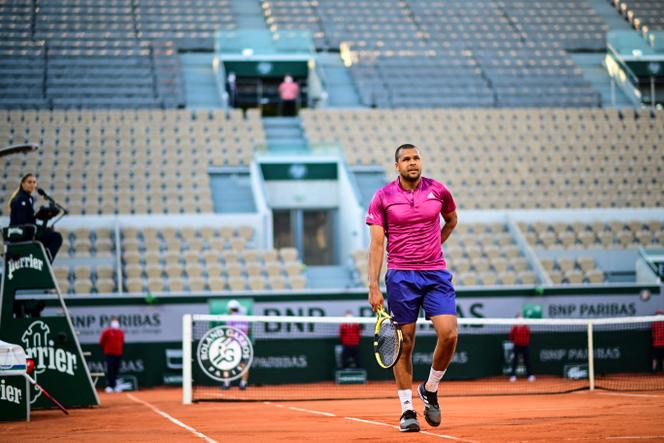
(300, 358)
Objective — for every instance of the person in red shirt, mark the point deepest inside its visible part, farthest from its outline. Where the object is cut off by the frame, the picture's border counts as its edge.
(112, 344)
(520, 338)
(289, 92)
(657, 329)
(349, 335)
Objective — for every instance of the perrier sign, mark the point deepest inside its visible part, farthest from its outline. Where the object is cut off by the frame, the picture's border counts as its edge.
(49, 341)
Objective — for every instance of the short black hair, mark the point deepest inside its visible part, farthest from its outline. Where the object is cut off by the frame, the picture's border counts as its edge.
(400, 148)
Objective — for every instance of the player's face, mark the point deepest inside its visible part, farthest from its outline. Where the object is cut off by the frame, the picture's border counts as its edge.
(410, 164)
(29, 184)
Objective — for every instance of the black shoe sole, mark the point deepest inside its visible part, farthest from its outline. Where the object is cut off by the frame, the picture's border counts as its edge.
(430, 423)
(410, 429)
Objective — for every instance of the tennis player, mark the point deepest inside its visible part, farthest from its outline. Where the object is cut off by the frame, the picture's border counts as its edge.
(407, 212)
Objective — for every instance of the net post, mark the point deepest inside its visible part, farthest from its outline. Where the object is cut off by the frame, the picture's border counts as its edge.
(591, 357)
(186, 359)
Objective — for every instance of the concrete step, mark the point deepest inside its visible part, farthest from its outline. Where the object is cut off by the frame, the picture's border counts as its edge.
(337, 75)
(343, 98)
(250, 22)
(199, 80)
(596, 74)
(284, 134)
(368, 180)
(232, 193)
(248, 14)
(271, 122)
(338, 81)
(280, 133)
(246, 7)
(288, 145)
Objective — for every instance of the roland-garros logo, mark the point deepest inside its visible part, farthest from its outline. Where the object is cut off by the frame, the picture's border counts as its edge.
(225, 353)
(29, 261)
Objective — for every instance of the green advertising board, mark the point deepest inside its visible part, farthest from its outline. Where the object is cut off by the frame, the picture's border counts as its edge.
(49, 340)
(14, 398)
(267, 68)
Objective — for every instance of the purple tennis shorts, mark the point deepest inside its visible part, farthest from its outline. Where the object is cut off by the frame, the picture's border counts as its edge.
(407, 291)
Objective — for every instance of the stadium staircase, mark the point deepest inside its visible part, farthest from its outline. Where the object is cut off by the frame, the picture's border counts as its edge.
(595, 72)
(368, 179)
(200, 85)
(231, 190)
(592, 63)
(248, 14)
(284, 134)
(338, 82)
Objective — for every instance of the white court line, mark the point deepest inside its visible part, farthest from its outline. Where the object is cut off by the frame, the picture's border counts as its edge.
(361, 420)
(637, 437)
(371, 422)
(172, 419)
(273, 404)
(293, 408)
(311, 411)
(329, 414)
(620, 394)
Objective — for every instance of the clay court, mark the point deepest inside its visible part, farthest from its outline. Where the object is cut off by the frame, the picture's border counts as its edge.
(158, 415)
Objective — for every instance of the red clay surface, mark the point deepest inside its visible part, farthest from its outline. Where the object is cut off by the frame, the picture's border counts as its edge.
(133, 417)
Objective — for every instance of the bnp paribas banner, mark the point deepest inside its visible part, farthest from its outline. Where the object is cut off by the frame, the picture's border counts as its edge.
(162, 322)
(154, 336)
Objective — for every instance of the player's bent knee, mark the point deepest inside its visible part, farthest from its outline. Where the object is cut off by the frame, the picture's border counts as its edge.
(449, 337)
(453, 335)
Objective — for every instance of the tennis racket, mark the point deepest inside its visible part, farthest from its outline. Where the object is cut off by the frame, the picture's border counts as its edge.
(49, 396)
(17, 149)
(387, 339)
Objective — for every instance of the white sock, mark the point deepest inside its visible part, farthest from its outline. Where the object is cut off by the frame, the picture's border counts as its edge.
(406, 398)
(434, 378)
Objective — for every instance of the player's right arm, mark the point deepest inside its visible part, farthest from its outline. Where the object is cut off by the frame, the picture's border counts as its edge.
(376, 251)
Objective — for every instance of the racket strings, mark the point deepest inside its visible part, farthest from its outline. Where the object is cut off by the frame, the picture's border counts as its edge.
(388, 342)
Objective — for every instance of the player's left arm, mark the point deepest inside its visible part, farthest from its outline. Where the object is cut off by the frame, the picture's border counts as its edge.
(450, 223)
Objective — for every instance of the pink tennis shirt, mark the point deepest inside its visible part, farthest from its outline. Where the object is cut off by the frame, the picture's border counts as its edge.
(411, 220)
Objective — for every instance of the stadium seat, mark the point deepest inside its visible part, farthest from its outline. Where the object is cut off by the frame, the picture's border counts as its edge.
(83, 286)
(61, 272)
(257, 283)
(155, 284)
(277, 283)
(574, 277)
(595, 276)
(297, 282)
(198, 285)
(82, 272)
(288, 254)
(175, 285)
(217, 283)
(507, 278)
(105, 285)
(253, 269)
(273, 268)
(237, 283)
